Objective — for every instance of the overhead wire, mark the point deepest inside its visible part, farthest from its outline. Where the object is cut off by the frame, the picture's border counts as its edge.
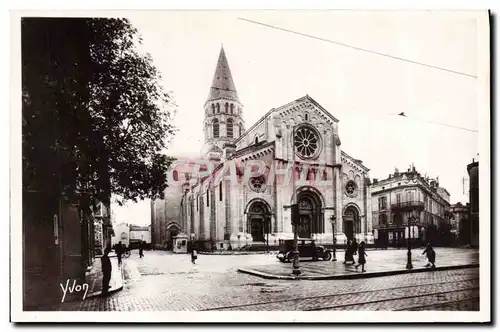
(380, 54)
(359, 48)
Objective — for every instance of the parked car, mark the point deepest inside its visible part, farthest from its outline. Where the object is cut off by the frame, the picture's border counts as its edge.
(307, 248)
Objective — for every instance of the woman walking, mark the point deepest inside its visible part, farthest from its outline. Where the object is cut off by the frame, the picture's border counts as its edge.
(431, 256)
(349, 253)
(361, 256)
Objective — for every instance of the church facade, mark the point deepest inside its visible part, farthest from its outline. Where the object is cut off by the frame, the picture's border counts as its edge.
(244, 199)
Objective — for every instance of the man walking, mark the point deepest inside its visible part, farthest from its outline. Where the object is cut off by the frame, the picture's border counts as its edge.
(141, 249)
(119, 252)
(106, 271)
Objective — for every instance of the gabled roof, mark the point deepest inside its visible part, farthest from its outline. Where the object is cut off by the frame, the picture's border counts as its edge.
(302, 99)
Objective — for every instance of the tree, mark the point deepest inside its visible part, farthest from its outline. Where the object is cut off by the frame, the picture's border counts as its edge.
(96, 119)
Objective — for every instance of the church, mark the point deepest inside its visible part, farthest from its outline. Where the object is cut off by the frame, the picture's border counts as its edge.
(332, 189)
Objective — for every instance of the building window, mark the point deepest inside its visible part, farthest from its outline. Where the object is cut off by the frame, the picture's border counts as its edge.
(208, 198)
(220, 191)
(383, 219)
(307, 142)
(215, 126)
(230, 128)
(350, 188)
(306, 117)
(226, 106)
(398, 198)
(213, 109)
(409, 196)
(197, 203)
(258, 184)
(218, 108)
(232, 108)
(241, 130)
(256, 140)
(382, 203)
(175, 175)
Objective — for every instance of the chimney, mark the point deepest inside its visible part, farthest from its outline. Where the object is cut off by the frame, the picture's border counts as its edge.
(229, 149)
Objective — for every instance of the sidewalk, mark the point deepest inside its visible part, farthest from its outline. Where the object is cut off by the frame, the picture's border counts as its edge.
(379, 263)
(94, 277)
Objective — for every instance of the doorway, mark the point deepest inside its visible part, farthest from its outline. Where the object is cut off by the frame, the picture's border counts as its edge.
(258, 215)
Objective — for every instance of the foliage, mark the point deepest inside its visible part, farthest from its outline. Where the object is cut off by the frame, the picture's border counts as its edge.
(95, 116)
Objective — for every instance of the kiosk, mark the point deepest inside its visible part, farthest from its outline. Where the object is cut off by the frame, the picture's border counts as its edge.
(180, 243)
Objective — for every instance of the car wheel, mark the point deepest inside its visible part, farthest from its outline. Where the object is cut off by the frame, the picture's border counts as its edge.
(327, 256)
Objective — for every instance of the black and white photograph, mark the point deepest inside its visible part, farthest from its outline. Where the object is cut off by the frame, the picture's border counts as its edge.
(172, 165)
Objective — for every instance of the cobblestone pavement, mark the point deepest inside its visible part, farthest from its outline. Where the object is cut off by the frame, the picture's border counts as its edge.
(163, 281)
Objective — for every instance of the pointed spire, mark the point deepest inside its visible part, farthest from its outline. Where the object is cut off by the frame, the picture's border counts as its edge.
(222, 83)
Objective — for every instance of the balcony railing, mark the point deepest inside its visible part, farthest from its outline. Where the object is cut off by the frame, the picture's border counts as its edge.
(408, 205)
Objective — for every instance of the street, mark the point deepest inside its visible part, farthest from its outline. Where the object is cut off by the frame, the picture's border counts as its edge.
(162, 281)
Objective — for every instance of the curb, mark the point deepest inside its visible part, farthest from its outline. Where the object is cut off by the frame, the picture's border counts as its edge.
(354, 276)
(111, 291)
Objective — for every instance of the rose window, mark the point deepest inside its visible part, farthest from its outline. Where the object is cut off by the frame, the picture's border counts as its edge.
(258, 184)
(350, 188)
(306, 141)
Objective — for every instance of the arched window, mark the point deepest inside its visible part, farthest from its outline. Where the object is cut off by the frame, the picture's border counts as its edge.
(306, 117)
(213, 109)
(226, 107)
(256, 139)
(218, 108)
(232, 108)
(230, 128)
(215, 128)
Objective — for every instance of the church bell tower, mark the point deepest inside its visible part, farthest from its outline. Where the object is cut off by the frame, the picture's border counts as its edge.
(223, 111)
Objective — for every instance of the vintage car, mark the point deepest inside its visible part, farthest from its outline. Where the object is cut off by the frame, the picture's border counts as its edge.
(307, 248)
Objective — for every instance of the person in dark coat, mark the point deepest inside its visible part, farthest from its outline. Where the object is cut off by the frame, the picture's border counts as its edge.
(141, 249)
(192, 251)
(106, 271)
(354, 247)
(119, 252)
(348, 253)
(361, 256)
(431, 256)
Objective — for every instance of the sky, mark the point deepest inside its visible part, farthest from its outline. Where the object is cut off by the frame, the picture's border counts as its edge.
(364, 91)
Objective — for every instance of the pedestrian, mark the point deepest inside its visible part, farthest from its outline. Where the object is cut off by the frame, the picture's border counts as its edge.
(431, 256)
(348, 253)
(354, 247)
(141, 249)
(106, 271)
(119, 252)
(361, 256)
(194, 254)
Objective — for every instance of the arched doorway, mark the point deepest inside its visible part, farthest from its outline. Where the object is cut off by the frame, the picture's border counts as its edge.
(172, 231)
(351, 222)
(258, 218)
(311, 216)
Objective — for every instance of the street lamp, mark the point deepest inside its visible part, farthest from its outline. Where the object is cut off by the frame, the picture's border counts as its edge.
(333, 220)
(409, 264)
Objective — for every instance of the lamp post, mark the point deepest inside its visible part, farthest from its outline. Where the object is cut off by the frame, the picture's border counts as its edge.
(333, 220)
(409, 264)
